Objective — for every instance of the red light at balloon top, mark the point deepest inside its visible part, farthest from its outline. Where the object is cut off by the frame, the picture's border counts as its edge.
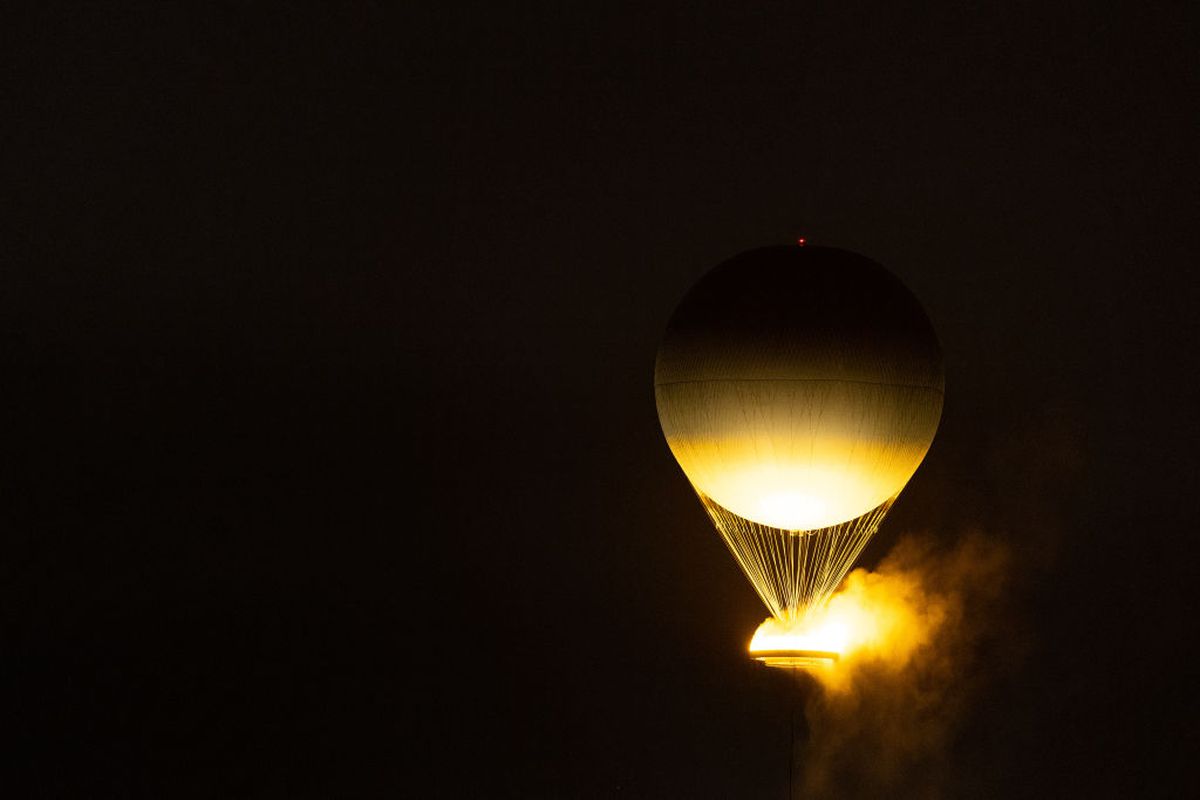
(800, 241)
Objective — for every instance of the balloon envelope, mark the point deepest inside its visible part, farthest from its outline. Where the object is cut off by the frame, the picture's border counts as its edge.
(799, 387)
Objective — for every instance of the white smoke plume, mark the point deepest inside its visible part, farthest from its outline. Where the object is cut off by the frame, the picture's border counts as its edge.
(882, 721)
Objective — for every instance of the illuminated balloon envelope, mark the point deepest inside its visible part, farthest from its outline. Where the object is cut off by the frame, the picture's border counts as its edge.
(799, 388)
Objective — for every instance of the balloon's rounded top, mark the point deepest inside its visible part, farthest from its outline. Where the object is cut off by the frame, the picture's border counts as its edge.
(799, 387)
(800, 313)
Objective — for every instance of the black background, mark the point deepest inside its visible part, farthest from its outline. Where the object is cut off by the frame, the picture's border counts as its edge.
(331, 466)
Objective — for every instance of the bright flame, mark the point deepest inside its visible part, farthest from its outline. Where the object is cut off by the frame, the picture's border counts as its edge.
(873, 616)
(820, 635)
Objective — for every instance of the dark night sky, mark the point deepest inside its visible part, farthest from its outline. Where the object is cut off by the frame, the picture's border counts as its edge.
(330, 465)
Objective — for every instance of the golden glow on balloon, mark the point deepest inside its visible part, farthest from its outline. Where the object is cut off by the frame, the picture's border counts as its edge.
(798, 455)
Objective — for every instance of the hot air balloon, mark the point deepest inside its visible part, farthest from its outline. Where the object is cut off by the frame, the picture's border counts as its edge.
(799, 388)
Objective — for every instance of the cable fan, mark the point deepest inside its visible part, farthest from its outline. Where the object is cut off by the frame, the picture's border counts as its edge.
(799, 388)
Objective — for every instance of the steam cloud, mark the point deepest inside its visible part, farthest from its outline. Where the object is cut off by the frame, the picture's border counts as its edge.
(883, 721)
(952, 621)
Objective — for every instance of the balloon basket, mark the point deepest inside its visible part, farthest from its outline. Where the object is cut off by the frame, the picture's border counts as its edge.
(796, 659)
